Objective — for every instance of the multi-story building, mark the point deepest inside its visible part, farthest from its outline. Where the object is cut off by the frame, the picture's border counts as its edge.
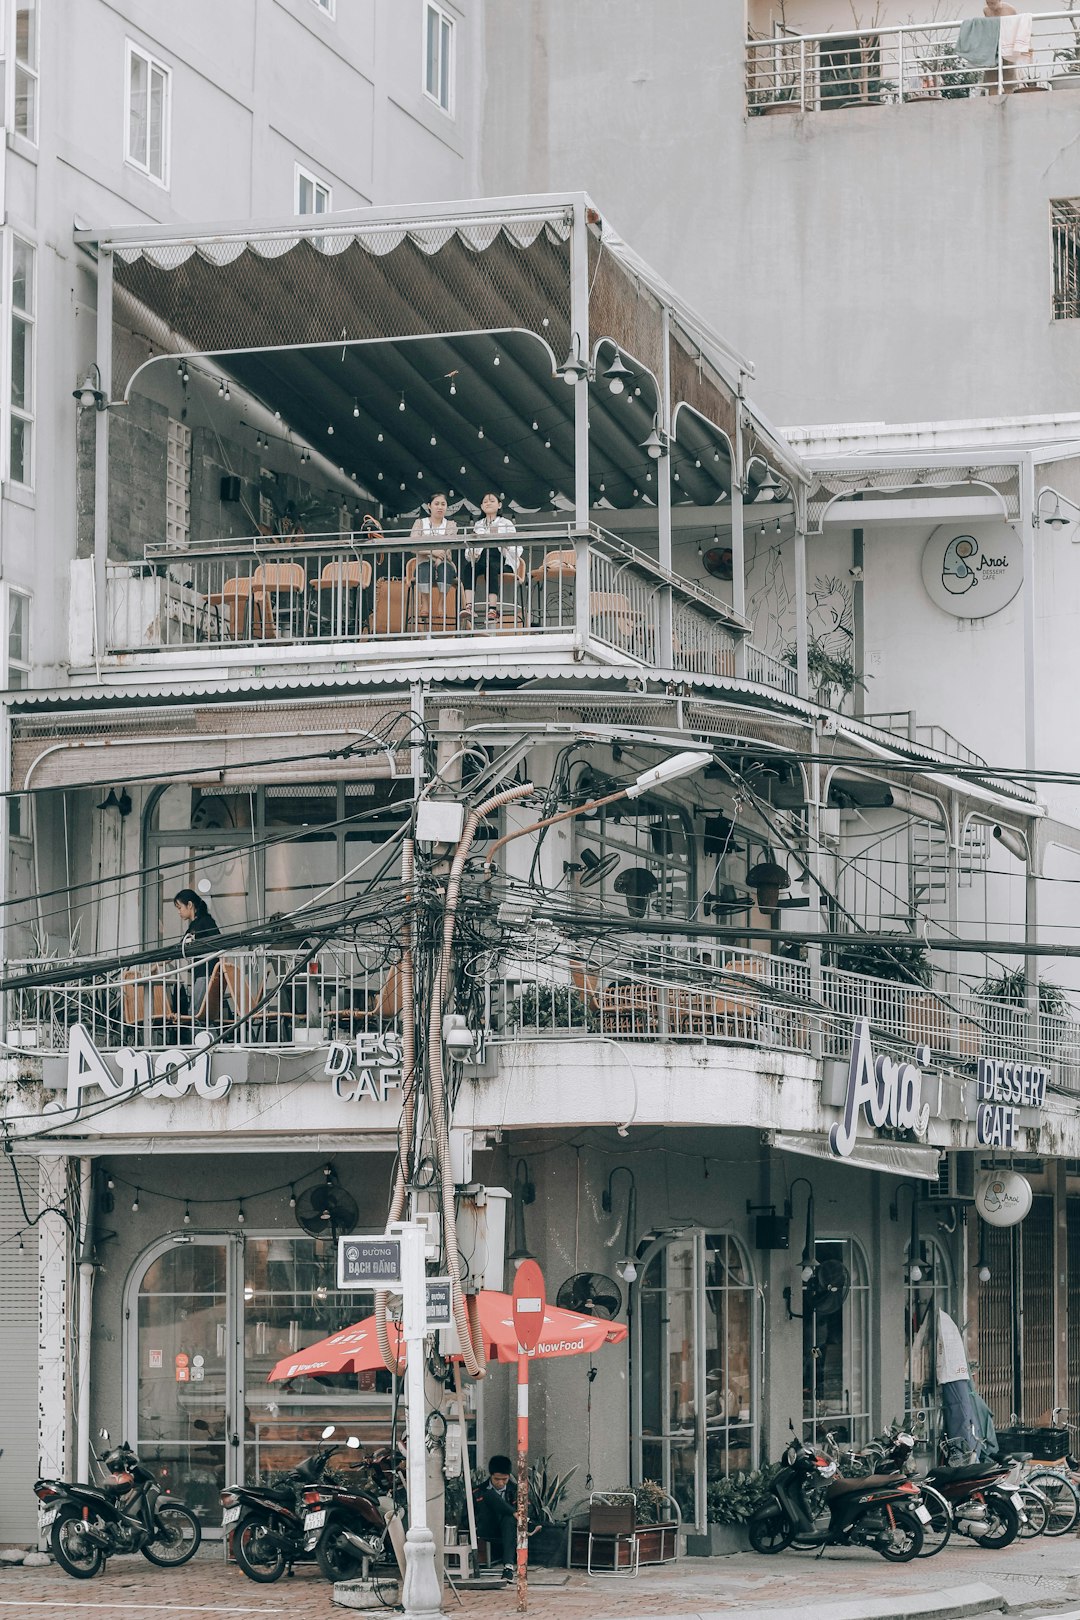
(673, 991)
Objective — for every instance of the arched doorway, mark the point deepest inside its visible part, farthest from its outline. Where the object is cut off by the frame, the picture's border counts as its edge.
(836, 1349)
(933, 1292)
(695, 1389)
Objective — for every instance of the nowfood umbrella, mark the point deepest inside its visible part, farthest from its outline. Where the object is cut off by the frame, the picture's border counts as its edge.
(356, 1349)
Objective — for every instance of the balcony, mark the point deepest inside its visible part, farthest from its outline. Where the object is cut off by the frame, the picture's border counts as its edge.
(656, 991)
(912, 62)
(559, 595)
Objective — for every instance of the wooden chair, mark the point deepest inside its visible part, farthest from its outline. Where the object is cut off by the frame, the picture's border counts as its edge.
(731, 1013)
(278, 593)
(432, 606)
(335, 594)
(234, 598)
(612, 1526)
(133, 990)
(390, 608)
(382, 1006)
(613, 618)
(247, 1003)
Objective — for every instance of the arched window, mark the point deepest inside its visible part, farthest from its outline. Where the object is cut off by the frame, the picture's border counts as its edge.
(836, 1344)
(695, 1398)
(922, 1299)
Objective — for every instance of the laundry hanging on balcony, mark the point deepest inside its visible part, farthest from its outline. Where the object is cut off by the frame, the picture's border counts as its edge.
(979, 40)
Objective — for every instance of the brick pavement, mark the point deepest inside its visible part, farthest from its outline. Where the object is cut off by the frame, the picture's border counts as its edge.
(1041, 1573)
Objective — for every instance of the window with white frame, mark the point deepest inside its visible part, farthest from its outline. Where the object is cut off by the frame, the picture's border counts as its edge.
(326, 5)
(23, 312)
(311, 195)
(439, 56)
(1065, 248)
(18, 639)
(20, 38)
(147, 125)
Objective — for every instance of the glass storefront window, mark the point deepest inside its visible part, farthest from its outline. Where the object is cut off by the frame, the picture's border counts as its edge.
(695, 1414)
(922, 1300)
(836, 1343)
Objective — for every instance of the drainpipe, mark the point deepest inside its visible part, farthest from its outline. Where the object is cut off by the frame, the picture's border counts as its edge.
(104, 341)
(86, 1298)
(858, 620)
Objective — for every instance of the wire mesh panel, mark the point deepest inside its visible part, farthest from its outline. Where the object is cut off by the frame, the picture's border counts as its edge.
(1037, 1312)
(1065, 249)
(997, 1326)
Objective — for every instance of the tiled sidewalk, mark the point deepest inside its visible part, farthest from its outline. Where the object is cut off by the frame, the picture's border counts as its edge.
(1043, 1574)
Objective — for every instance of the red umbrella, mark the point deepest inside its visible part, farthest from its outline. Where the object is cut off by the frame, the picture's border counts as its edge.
(356, 1349)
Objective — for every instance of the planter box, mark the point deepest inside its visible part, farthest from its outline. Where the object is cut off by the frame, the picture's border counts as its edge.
(719, 1541)
(657, 1544)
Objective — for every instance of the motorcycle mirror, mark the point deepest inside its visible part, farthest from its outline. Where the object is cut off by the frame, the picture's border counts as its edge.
(103, 1434)
(791, 1425)
(353, 1443)
(328, 1431)
(201, 1423)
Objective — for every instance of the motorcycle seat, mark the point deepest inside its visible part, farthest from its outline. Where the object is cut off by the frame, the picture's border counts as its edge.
(953, 1476)
(1018, 1456)
(871, 1482)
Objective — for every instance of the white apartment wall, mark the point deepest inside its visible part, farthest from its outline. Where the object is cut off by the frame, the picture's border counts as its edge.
(881, 264)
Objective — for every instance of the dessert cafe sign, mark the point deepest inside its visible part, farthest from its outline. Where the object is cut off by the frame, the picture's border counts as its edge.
(887, 1090)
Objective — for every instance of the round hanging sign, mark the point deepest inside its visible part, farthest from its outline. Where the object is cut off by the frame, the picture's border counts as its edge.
(1002, 1197)
(973, 570)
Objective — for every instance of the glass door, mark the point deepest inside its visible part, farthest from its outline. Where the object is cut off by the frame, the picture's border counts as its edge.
(182, 1383)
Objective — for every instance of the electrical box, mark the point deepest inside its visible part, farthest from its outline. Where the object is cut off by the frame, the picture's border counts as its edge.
(461, 1152)
(440, 821)
(481, 1229)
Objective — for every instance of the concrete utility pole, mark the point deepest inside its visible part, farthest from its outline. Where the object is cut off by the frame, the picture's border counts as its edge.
(421, 1591)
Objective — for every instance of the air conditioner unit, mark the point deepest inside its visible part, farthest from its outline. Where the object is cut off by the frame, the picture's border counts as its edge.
(956, 1179)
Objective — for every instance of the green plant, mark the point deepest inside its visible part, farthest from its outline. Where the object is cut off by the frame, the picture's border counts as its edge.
(904, 961)
(954, 80)
(1010, 988)
(546, 1491)
(551, 1006)
(732, 1500)
(826, 670)
(651, 1501)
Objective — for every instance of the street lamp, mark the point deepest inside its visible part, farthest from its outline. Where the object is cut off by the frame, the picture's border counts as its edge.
(90, 393)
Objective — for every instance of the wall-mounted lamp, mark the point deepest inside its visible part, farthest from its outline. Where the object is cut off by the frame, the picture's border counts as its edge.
(767, 878)
(90, 392)
(769, 488)
(808, 1260)
(627, 1267)
(121, 803)
(1056, 519)
(918, 1268)
(983, 1262)
(656, 444)
(522, 1193)
(618, 375)
(573, 369)
(637, 885)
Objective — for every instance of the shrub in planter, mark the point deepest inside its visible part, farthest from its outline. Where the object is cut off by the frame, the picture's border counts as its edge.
(733, 1499)
(551, 1006)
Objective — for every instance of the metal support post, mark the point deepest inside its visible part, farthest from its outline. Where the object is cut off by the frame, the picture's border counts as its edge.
(802, 667)
(101, 448)
(421, 1594)
(83, 1341)
(579, 336)
(663, 495)
(738, 548)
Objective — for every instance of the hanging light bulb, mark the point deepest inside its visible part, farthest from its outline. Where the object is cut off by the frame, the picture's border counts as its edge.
(547, 444)
(185, 376)
(461, 470)
(379, 438)
(536, 427)
(330, 429)
(110, 1183)
(221, 389)
(378, 477)
(187, 1215)
(496, 361)
(240, 1216)
(433, 439)
(277, 416)
(22, 1245)
(453, 388)
(401, 486)
(984, 1273)
(355, 407)
(506, 461)
(135, 1203)
(480, 433)
(401, 406)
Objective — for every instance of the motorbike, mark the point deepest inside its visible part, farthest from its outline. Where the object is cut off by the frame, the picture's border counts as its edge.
(882, 1511)
(983, 1508)
(266, 1522)
(127, 1513)
(347, 1528)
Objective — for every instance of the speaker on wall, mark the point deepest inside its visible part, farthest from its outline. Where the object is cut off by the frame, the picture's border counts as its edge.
(230, 487)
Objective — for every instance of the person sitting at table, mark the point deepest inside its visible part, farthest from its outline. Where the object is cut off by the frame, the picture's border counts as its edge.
(435, 566)
(200, 926)
(484, 566)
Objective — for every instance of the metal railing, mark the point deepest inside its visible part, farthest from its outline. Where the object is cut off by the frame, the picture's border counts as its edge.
(864, 66)
(901, 722)
(647, 990)
(330, 590)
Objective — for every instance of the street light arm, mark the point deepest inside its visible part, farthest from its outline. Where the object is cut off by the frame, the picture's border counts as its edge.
(549, 821)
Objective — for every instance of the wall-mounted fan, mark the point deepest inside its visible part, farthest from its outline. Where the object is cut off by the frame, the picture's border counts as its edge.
(591, 1293)
(326, 1211)
(595, 868)
(826, 1289)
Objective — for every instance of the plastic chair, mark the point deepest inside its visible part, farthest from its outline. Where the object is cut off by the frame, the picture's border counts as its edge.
(277, 597)
(382, 1007)
(340, 585)
(612, 1524)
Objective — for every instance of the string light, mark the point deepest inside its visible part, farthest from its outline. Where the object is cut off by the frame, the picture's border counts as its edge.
(110, 1183)
(496, 361)
(536, 427)
(22, 1245)
(135, 1203)
(547, 444)
(433, 439)
(221, 390)
(453, 388)
(379, 438)
(461, 470)
(330, 429)
(506, 461)
(355, 407)
(292, 1196)
(187, 1215)
(401, 407)
(480, 433)
(240, 1216)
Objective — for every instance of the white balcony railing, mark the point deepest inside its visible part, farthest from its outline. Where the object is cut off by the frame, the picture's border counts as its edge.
(864, 66)
(649, 990)
(329, 590)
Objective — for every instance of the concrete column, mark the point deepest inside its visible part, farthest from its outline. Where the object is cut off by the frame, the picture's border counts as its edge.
(101, 447)
(54, 1413)
(738, 547)
(802, 672)
(579, 343)
(1058, 1179)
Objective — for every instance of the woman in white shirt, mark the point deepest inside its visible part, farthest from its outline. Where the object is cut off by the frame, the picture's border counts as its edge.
(435, 566)
(484, 566)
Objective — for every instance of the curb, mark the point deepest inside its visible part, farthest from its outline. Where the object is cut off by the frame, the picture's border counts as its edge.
(950, 1601)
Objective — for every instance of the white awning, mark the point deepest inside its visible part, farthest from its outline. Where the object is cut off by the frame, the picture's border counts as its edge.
(893, 1158)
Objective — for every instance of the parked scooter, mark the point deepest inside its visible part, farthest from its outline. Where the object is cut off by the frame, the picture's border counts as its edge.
(266, 1522)
(126, 1514)
(348, 1528)
(984, 1509)
(880, 1511)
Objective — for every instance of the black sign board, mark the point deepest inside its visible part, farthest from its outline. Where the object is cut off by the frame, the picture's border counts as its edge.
(438, 1307)
(369, 1262)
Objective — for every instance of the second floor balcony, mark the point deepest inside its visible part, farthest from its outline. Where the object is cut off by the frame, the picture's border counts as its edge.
(544, 595)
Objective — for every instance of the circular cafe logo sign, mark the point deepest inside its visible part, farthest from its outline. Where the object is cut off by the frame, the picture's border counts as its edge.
(973, 570)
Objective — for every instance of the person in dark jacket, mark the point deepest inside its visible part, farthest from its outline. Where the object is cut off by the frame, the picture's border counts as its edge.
(496, 1512)
(201, 927)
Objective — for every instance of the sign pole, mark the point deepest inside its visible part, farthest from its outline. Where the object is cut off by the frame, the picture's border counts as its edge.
(420, 1591)
(529, 1304)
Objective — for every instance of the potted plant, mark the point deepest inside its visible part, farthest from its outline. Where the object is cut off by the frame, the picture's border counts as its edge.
(729, 1502)
(551, 1006)
(547, 1491)
(1009, 989)
(657, 1525)
(831, 674)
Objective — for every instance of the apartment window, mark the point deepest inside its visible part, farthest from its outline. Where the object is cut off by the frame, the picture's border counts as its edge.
(1065, 247)
(23, 117)
(18, 640)
(148, 89)
(439, 56)
(327, 6)
(20, 460)
(178, 485)
(312, 195)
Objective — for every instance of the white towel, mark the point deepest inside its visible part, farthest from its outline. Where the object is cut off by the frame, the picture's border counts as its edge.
(1015, 43)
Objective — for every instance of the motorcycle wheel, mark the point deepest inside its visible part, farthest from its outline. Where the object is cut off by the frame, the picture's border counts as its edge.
(771, 1533)
(75, 1555)
(337, 1561)
(257, 1553)
(177, 1539)
(905, 1539)
(1062, 1496)
(1002, 1524)
(1036, 1514)
(935, 1534)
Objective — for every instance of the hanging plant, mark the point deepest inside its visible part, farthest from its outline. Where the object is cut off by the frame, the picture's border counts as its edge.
(1010, 988)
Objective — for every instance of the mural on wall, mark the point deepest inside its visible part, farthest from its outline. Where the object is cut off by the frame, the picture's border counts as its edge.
(770, 602)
